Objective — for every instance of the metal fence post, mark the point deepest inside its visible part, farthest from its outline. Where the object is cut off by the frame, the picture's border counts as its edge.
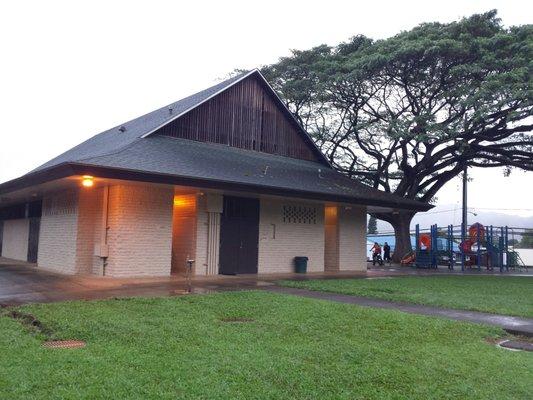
(462, 247)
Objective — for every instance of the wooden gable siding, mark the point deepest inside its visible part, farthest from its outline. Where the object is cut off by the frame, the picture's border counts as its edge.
(244, 116)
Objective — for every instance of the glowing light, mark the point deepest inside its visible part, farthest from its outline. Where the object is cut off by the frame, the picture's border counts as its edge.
(179, 201)
(87, 181)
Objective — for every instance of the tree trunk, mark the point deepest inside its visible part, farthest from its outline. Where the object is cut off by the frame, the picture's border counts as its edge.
(401, 226)
(401, 223)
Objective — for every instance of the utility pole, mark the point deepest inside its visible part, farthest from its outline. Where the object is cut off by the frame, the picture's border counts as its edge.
(465, 206)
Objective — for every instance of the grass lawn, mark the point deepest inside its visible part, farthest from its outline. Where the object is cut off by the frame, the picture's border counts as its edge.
(252, 345)
(494, 294)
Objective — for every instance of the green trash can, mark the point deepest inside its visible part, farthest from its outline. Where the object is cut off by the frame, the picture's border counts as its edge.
(300, 265)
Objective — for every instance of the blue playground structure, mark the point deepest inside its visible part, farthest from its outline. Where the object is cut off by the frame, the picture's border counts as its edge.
(475, 247)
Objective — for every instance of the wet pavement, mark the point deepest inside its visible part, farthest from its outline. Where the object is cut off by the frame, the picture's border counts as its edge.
(20, 284)
(25, 283)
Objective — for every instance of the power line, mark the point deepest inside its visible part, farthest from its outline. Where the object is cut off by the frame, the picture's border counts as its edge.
(522, 231)
(504, 209)
(480, 208)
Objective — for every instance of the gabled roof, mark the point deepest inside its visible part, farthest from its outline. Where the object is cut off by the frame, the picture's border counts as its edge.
(109, 141)
(130, 151)
(125, 134)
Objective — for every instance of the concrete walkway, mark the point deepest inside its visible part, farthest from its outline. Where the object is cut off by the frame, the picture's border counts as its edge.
(514, 325)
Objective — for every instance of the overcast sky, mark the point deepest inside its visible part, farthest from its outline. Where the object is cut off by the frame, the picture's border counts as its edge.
(69, 70)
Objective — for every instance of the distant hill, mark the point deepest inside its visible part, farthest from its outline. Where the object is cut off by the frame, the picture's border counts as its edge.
(443, 215)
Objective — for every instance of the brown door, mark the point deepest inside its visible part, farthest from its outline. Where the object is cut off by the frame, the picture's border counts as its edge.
(239, 236)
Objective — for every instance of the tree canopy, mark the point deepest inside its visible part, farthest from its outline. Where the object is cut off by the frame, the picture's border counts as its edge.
(527, 240)
(408, 113)
(372, 225)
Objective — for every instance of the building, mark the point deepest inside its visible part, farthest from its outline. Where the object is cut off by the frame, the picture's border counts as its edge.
(226, 177)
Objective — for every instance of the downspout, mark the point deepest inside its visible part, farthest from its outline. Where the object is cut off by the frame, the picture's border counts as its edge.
(104, 249)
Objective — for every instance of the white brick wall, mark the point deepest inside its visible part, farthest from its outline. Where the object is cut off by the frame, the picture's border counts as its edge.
(140, 230)
(15, 239)
(276, 254)
(89, 230)
(140, 234)
(59, 232)
(352, 238)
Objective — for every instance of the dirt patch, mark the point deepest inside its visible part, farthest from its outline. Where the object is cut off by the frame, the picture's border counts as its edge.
(236, 320)
(33, 324)
(493, 340)
(30, 321)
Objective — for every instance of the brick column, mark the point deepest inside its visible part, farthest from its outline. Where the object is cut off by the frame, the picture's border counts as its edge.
(352, 238)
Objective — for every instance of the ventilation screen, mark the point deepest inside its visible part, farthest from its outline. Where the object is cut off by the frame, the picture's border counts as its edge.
(299, 214)
(63, 204)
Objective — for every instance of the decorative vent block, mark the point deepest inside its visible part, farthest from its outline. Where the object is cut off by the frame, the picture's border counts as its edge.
(297, 214)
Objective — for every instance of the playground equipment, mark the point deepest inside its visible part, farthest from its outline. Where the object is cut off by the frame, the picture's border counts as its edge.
(426, 246)
(475, 247)
(408, 258)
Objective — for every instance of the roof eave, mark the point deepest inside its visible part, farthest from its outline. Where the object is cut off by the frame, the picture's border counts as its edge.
(33, 178)
(69, 169)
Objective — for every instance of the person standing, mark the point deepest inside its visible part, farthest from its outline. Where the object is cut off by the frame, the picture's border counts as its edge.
(386, 253)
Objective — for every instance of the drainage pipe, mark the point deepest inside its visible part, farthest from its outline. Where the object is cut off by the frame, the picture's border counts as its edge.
(104, 251)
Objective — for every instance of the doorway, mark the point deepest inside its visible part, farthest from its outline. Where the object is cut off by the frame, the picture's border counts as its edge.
(331, 238)
(239, 236)
(183, 232)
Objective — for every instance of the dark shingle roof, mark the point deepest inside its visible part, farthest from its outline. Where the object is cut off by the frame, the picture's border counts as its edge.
(131, 150)
(113, 139)
(216, 162)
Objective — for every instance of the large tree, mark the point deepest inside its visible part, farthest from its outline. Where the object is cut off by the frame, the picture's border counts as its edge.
(527, 240)
(372, 225)
(409, 113)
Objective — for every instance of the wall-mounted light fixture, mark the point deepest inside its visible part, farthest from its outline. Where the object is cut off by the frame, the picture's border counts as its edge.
(87, 181)
(180, 201)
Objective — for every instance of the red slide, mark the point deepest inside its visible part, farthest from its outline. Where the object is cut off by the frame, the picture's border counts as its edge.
(466, 246)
